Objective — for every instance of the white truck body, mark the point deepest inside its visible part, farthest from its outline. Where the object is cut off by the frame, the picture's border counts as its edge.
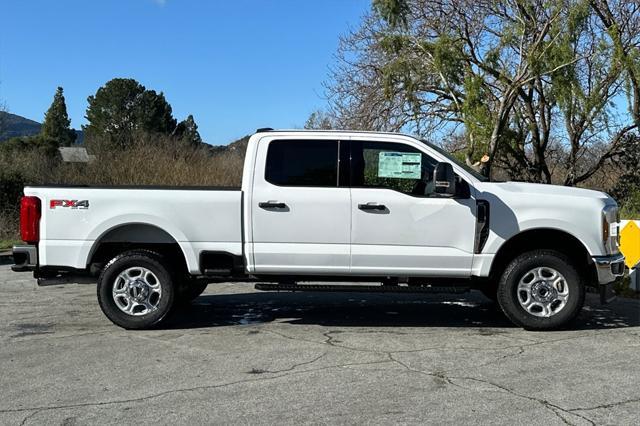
(347, 226)
(323, 231)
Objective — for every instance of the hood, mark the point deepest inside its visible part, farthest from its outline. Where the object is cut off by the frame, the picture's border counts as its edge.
(516, 207)
(537, 190)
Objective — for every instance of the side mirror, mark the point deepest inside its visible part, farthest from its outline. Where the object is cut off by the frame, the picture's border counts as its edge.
(444, 179)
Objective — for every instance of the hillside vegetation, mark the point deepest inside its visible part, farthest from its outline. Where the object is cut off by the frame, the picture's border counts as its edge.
(153, 160)
(132, 137)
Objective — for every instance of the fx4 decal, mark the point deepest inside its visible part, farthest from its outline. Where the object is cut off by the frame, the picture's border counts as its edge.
(71, 204)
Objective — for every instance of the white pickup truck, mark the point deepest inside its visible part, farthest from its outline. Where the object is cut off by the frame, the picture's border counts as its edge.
(388, 211)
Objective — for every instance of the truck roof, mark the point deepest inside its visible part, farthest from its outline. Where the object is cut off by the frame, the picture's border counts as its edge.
(340, 131)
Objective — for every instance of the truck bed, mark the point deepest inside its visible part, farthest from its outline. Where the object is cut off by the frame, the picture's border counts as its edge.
(75, 217)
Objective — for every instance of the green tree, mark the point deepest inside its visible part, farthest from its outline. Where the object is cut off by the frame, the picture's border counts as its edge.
(122, 108)
(393, 11)
(187, 131)
(530, 83)
(56, 126)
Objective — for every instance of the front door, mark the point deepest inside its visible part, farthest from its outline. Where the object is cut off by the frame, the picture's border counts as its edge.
(301, 219)
(399, 226)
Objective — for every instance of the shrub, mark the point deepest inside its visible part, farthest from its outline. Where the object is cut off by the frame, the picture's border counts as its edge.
(630, 207)
(11, 184)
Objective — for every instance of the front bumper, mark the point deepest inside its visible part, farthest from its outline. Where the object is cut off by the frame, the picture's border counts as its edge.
(25, 258)
(609, 268)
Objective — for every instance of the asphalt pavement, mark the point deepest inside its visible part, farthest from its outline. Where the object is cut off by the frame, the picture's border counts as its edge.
(237, 355)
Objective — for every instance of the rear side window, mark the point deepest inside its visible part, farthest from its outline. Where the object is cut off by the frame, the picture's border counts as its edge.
(302, 163)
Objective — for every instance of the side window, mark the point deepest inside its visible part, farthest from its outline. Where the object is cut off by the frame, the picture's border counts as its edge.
(302, 163)
(391, 165)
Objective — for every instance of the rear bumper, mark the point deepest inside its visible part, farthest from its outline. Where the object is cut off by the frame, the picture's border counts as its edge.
(609, 268)
(25, 258)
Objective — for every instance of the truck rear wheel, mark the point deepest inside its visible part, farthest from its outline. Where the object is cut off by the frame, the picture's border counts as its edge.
(541, 290)
(135, 289)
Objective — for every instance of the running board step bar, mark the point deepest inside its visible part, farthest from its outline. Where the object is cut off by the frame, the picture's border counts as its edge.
(361, 288)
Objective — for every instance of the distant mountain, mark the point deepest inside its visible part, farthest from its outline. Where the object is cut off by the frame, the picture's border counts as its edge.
(12, 125)
(239, 145)
(79, 137)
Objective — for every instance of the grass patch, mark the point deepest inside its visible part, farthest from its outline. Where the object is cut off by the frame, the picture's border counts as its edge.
(623, 288)
(7, 244)
(630, 209)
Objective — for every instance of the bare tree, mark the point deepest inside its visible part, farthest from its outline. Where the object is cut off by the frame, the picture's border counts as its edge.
(320, 120)
(620, 21)
(527, 148)
(522, 81)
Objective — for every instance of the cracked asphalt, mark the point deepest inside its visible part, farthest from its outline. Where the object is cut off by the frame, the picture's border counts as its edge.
(241, 356)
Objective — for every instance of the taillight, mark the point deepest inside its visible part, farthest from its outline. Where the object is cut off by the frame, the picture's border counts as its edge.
(30, 219)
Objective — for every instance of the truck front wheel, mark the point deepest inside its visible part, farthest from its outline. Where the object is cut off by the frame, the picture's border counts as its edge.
(541, 290)
(135, 290)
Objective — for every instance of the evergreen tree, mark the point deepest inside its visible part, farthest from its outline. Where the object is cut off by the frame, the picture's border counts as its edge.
(187, 131)
(123, 107)
(56, 126)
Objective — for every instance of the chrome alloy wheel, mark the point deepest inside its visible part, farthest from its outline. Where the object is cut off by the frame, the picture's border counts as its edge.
(543, 292)
(137, 291)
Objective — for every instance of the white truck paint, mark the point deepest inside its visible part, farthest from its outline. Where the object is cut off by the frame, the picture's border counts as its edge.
(347, 230)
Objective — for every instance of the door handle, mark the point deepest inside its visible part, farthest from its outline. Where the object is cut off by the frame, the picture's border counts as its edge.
(372, 206)
(272, 205)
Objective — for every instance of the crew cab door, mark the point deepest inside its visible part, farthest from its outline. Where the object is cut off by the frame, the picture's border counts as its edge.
(301, 218)
(399, 226)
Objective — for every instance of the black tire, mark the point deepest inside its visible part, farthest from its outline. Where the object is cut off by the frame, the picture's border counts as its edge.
(190, 289)
(154, 263)
(518, 269)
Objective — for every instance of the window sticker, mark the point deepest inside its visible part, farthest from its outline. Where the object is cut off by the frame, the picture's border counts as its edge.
(399, 165)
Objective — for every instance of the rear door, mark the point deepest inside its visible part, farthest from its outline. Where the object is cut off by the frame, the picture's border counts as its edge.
(301, 218)
(399, 226)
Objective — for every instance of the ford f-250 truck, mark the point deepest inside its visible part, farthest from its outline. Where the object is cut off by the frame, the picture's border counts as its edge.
(387, 211)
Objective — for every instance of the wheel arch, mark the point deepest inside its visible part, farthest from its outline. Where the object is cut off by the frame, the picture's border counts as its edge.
(136, 235)
(545, 238)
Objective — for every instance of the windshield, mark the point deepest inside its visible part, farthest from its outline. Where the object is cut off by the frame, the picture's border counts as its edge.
(454, 160)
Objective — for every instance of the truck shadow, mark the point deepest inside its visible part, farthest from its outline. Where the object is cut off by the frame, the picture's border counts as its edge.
(376, 310)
